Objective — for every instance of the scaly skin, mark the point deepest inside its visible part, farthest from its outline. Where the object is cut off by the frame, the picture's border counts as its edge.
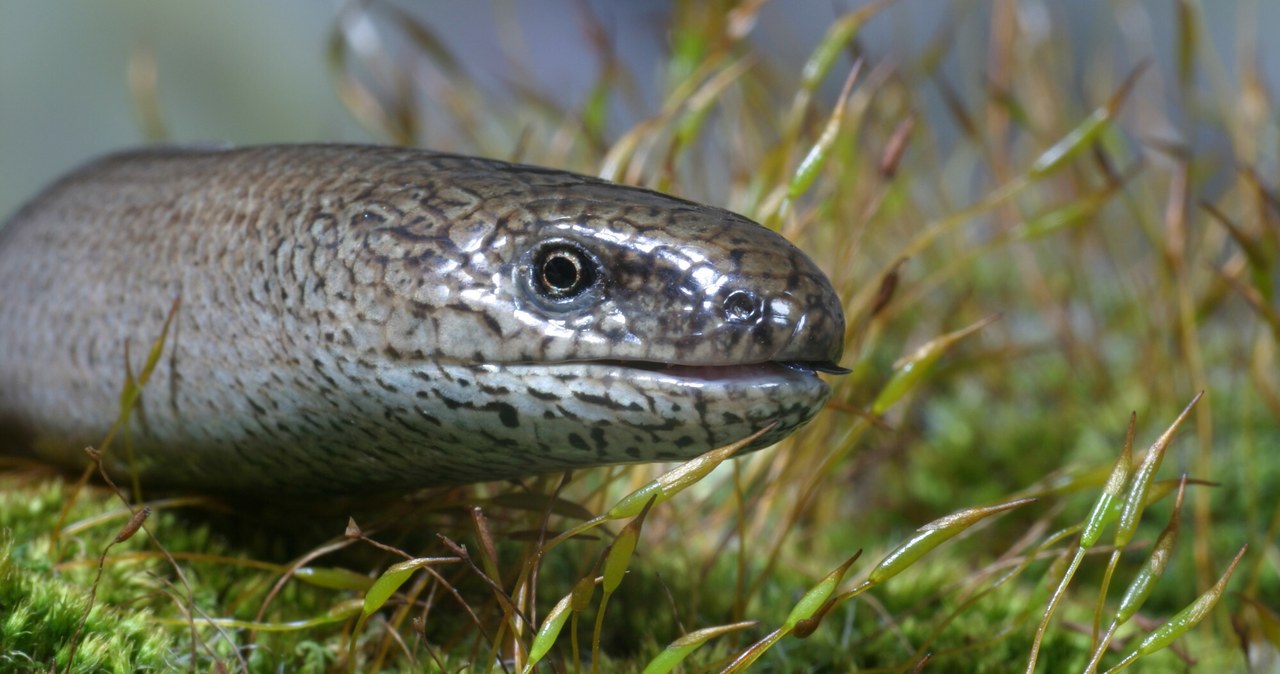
(368, 318)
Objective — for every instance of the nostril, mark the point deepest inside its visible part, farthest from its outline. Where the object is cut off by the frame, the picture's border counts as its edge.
(742, 306)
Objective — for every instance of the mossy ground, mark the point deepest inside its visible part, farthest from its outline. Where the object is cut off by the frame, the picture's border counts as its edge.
(1128, 270)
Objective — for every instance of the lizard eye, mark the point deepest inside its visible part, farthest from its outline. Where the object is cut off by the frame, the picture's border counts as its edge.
(563, 270)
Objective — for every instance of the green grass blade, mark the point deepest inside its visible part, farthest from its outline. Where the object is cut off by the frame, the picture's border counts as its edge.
(1185, 619)
(548, 632)
(678, 650)
(932, 535)
(1111, 492)
(1136, 499)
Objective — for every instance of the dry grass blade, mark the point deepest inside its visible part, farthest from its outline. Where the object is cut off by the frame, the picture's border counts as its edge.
(144, 92)
(126, 532)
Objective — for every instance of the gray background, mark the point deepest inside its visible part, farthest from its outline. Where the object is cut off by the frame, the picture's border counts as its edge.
(248, 71)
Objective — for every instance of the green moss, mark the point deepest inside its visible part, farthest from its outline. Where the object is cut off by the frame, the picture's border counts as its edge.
(42, 613)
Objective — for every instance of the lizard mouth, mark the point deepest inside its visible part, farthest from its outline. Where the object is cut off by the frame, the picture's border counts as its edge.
(730, 371)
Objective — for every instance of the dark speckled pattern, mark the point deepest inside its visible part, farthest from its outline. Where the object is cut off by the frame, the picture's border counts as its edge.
(364, 318)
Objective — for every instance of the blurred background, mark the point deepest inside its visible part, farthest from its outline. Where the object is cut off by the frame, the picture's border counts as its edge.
(242, 71)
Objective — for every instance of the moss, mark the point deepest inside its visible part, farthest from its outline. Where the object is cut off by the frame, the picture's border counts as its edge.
(41, 618)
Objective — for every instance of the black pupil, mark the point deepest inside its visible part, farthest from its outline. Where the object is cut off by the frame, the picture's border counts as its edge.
(564, 272)
(561, 271)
